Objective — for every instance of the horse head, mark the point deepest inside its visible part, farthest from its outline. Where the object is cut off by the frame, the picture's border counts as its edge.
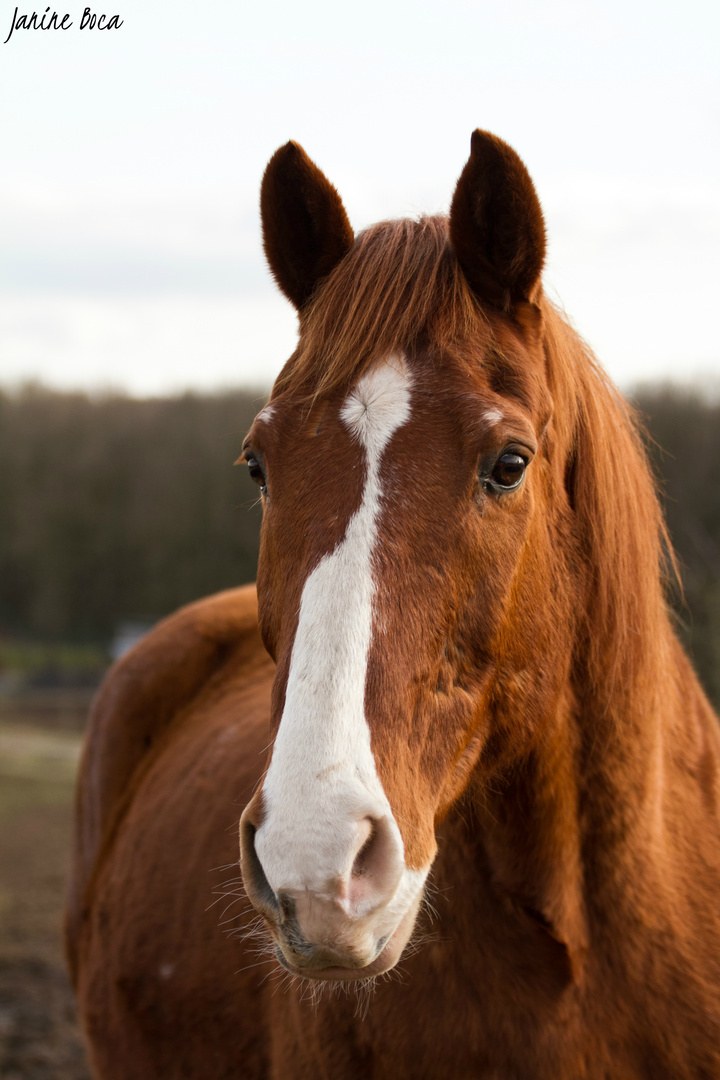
(421, 576)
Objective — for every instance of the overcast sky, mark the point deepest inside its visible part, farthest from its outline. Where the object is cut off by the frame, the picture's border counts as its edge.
(131, 160)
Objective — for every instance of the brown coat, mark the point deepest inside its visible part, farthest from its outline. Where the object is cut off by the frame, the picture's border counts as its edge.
(533, 719)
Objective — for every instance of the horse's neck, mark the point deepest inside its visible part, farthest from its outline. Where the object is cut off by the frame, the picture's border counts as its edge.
(527, 825)
(604, 798)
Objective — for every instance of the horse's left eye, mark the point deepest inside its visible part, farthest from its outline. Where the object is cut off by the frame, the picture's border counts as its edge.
(508, 472)
(256, 473)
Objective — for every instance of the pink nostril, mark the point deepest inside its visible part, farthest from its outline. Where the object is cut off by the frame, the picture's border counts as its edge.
(377, 867)
(365, 839)
(360, 865)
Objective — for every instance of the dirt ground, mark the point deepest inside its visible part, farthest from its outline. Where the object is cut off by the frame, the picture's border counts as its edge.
(39, 1035)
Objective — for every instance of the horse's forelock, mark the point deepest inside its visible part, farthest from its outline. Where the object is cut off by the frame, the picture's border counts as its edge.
(400, 281)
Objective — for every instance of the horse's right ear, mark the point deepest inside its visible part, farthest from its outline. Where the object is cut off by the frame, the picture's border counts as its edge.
(496, 224)
(306, 231)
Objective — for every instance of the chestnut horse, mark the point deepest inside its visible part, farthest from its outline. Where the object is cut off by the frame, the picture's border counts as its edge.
(475, 689)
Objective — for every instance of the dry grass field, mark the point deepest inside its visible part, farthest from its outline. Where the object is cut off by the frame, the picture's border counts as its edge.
(39, 1036)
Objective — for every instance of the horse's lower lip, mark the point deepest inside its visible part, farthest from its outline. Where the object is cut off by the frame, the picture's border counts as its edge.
(384, 961)
(341, 974)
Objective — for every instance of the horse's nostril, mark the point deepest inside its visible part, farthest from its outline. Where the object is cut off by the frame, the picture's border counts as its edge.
(287, 906)
(378, 865)
(360, 865)
(257, 885)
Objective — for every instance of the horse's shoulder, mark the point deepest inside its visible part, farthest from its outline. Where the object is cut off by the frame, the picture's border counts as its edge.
(203, 648)
(184, 649)
(163, 674)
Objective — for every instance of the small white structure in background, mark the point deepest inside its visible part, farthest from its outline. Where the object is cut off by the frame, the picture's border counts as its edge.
(127, 636)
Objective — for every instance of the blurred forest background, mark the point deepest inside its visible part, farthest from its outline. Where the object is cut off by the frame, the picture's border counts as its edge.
(114, 511)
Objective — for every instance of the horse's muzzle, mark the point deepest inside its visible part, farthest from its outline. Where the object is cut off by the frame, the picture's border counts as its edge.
(347, 926)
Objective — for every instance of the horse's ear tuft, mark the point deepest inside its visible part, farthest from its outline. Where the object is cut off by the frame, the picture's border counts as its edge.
(306, 231)
(496, 224)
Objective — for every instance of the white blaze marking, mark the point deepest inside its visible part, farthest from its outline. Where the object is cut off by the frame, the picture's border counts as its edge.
(322, 778)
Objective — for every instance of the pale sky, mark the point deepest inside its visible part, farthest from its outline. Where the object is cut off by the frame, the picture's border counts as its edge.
(131, 160)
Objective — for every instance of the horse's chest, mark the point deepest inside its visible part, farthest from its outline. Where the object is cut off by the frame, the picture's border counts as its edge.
(425, 1023)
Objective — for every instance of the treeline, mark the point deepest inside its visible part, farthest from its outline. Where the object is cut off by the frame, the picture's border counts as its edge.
(684, 446)
(116, 509)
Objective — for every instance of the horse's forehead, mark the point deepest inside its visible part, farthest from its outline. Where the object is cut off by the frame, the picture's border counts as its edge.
(415, 396)
(378, 404)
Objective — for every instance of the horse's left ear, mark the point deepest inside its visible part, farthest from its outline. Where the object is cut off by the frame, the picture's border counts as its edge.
(496, 224)
(306, 231)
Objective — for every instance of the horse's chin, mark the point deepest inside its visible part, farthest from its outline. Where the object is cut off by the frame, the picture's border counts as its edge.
(386, 959)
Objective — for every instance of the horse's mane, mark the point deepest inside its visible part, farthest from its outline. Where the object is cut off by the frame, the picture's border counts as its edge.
(401, 281)
(623, 536)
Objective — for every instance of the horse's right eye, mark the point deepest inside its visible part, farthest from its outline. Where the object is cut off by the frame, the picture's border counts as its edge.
(256, 473)
(509, 471)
